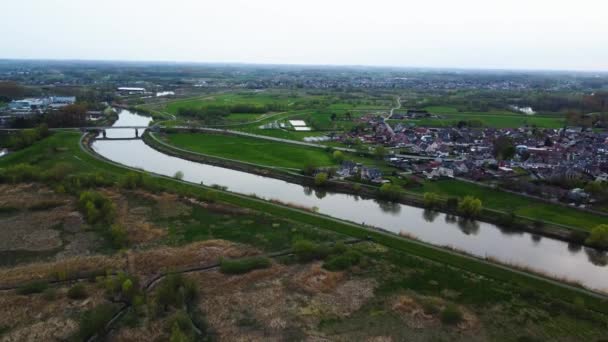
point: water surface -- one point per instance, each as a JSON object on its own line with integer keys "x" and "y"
{"x": 545, "y": 255}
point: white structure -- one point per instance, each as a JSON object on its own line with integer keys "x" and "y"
{"x": 131, "y": 90}
{"x": 297, "y": 123}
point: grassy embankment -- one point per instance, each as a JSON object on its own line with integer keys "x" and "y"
{"x": 519, "y": 205}
{"x": 262, "y": 152}
{"x": 47, "y": 152}
{"x": 271, "y": 153}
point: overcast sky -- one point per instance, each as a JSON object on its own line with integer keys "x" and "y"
{"x": 510, "y": 34}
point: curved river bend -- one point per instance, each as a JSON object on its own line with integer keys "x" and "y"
{"x": 545, "y": 255}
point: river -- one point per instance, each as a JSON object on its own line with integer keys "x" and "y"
{"x": 544, "y": 255}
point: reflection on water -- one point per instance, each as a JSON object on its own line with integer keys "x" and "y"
{"x": 389, "y": 207}
{"x": 430, "y": 215}
{"x": 597, "y": 257}
{"x": 547, "y": 255}
{"x": 574, "y": 247}
{"x": 468, "y": 226}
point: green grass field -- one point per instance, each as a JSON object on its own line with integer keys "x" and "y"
{"x": 493, "y": 118}
{"x": 264, "y": 152}
{"x": 252, "y": 150}
{"x": 498, "y": 200}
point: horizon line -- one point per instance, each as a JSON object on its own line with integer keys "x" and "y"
{"x": 269, "y": 64}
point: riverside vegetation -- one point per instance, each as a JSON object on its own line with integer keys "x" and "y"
{"x": 146, "y": 270}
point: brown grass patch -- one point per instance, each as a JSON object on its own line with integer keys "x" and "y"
{"x": 58, "y": 269}
{"x": 34, "y": 318}
{"x": 315, "y": 279}
{"x": 135, "y": 220}
{"x": 152, "y": 262}
{"x": 412, "y": 311}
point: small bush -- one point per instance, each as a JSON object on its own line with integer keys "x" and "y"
{"x": 452, "y": 203}
{"x": 391, "y": 192}
{"x": 178, "y": 175}
{"x": 131, "y": 180}
{"x": 430, "y": 308}
{"x": 95, "y": 320}
{"x": 182, "y": 321}
{"x": 78, "y": 291}
{"x": 451, "y": 315}
{"x": 342, "y": 262}
{"x": 243, "y": 265}
{"x": 96, "y": 207}
{"x": 176, "y": 291}
{"x": 33, "y": 287}
{"x": 599, "y": 236}
{"x": 470, "y": 207}
{"x": 49, "y": 294}
{"x": 431, "y": 200}
{"x": 118, "y": 235}
{"x": 307, "y": 251}
{"x": 321, "y": 178}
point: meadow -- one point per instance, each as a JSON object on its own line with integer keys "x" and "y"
{"x": 264, "y": 152}
{"x": 519, "y": 205}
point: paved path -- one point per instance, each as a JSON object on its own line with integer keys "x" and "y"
{"x": 393, "y": 109}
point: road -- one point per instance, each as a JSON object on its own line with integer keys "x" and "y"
{"x": 393, "y": 109}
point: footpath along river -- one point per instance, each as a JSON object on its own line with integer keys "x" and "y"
{"x": 545, "y": 255}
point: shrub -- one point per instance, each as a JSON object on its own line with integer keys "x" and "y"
{"x": 20, "y": 173}
{"x": 131, "y": 180}
{"x": 321, "y": 178}
{"x": 176, "y": 291}
{"x": 59, "y": 171}
{"x": 451, "y": 315}
{"x": 49, "y": 294}
{"x": 95, "y": 320}
{"x": 470, "y": 207}
{"x": 599, "y": 236}
{"x": 307, "y": 250}
{"x": 181, "y": 325}
{"x": 452, "y": 203}
{"x": 122, "y": 285}
{"x": 179, "y": 175}
{"x": 33, "y": 287}
{"x": 243, "y": 265}
{"x": 77, "y": 291}
{"x": 342, "y": 262}
{"x": 338, "y": 156}
{"x": 96, "y": 207}
{"x": 390, "y": 192}
{"x": 431, "y": 200}
{"x": 118, "y": 235}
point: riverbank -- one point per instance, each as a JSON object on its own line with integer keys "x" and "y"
{"x": 413, "y": 247}
{"x": 504, "y": 219}
{"x": 85, "y": 160}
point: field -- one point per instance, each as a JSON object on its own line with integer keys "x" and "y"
{"x": 497, "y": 118}
{"x": 503, "y": 201}
{"x": 252, "y": 150}
{"x": 289, "y": 101}
{"x": 262, "y": 152}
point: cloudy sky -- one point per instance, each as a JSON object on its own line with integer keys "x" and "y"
{"x": 511, "y": 34}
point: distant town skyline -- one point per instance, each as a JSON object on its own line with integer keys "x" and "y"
{"x": 469, "y": 34}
